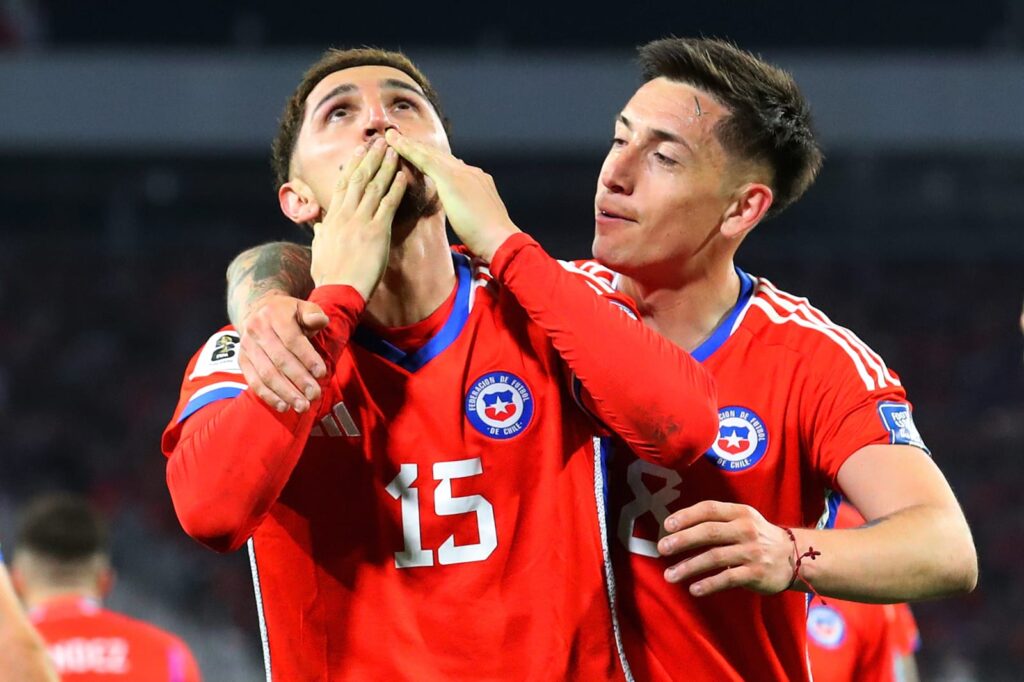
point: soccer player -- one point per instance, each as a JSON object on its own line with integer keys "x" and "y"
{"x": 22, "y": 652}
{"x": 853, "y": 641}
{"x": 434, "y": 507}
{"x": 62, "y": 571}
{"x": 715, "y": 141}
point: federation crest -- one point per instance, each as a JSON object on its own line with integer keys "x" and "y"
{"x": 742, "y": 439}
{"x": 826, "y": 626}
{"x": 499, "y": 405}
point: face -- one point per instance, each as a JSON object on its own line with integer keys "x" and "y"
{"x": 663, "y": 188}
{"x": 351, "y": 108}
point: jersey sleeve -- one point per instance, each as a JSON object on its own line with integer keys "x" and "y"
{"x": 181, "y": 664}
{"x": 228, "y": 460}
{"x": 646, "y": 390}
{"x": 855, "y": 401}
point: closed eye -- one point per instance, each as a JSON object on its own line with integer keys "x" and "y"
{"x": 664, "y": 160}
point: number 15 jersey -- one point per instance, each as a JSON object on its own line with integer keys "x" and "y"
{"x": 444, "y": 519}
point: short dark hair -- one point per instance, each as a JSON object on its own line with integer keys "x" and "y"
{"x": 769, "y": 121}
{"x": 63, "y": 528}
{"x": 332, "y": 60}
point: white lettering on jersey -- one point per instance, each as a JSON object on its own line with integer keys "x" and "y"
{"x": 107, "y": 655}
{"x": 220, "y": 354}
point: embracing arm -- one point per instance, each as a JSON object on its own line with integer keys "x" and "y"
{"x": 268, "y": 269}
{"x": 648, "y": 391}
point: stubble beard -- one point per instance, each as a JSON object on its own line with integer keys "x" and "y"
{"x": 417, "y": 203}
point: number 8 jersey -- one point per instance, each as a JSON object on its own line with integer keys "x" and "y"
{"x": 440, "y": 513}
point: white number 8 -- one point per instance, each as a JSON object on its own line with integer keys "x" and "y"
{"x": 646, "y": 501}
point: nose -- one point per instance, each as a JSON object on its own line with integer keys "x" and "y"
{"x": 618, "y": 173}
{"x": 377, "y": 121}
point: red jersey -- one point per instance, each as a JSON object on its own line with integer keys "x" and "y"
{"x": 849, "y": 641}
{"x": 88, "y": 643}
{"x": 797, "y": 396}
{"x": 853, "y": 641}
{"x": 440, "y": 513}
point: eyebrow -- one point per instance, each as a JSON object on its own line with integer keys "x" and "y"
{"x": 387, "y": 84}
{"x": 658, "y": 133}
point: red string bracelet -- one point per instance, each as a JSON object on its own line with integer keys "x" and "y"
{"x": 798, "y": 559}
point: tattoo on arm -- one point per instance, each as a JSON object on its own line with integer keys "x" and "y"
{"x": 280, "y": 267}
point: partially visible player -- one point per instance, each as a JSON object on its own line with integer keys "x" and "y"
{"x": 22, "y": 652}
{"x": 850, "y": 641}
{"x": 434, "y": 509}
{"x": 62, "y": 570}
{"x": 713, "y": 142}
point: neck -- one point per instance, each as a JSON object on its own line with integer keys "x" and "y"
{"x": 687, "y": 308}
{"x": 41, "y": 596}
{"x": 419, "y": 276}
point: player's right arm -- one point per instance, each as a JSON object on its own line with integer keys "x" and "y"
{"x": 229, "y": 460}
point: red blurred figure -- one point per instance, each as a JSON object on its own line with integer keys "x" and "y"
{"x": 852, "y": 641}
{"x": 62, "y": 569}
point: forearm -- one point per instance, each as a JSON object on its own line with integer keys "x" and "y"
{"x": 648, "y": 391}
{"x": 277, "y": 267}
{"x": 920, "y": 552}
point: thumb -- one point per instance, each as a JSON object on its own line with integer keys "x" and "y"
{"x": 311, "y": 318}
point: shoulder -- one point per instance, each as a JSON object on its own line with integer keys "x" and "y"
{"x": 776, "y": 317}
{"x": 138, "y": 630}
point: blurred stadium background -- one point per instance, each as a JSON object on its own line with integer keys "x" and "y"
{"x": 133, "y": 165}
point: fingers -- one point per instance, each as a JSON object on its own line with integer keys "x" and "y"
{"x": 713, "y": 559}
{"x": 253, "y": 379}
{"x": 379, "y": 186}
{"x": 389, "y": 204}
{"x": 312, "y": 319}
{"x": 275, "y": 366}
{"x": 701, "y": 535}
{"x": 427, "y": 159}
{"x": 360, "y": 170}
{"x": 736, "y": 576}
{"x": 708, "y": 510}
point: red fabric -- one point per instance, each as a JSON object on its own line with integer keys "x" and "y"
{"x": 442, "y": 521}
{"x": 596, "y": 345}
{"x": 228, "y": 463}
{"x": 90, "y": 644}
{"x": 797, "y": 396}
{"x": 850, "y": 641}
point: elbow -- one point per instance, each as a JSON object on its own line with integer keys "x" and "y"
{"x": 208, "y": 521}
{"x": 216, "y": 530}
{"x": 962, "y": 574}
{"x": 697, "y": 434}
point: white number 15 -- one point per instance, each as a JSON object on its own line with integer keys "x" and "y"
{"x": 413, "y": 554}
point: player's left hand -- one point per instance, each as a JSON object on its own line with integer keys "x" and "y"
{"x": 471, "y": 201}
{"x": 740, "y": 549}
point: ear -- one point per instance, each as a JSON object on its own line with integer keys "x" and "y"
{"x": 105, "y": 581}
{"x": 298, "y": 203}
{"x": 747, "y": 209}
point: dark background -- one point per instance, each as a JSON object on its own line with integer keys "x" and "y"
{"x": 112, "y": 258}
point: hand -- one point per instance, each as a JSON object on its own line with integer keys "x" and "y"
{"x": 744, "y": 549}
{"x": 352, "y": 243}
{"x": 276, "y": 356}
{"x": 476, "y": 212}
